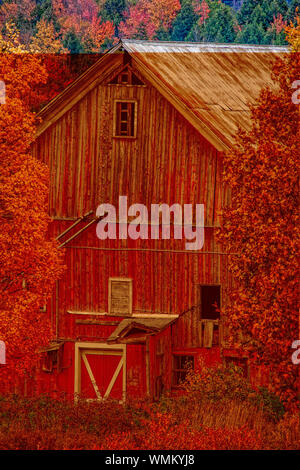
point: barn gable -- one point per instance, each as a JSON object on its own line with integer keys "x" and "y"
{"x": 211, "y": 85}
{"x": 89, "y": 164}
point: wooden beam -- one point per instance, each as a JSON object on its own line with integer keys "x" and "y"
{"x": 148, "y": 384}
{"x": 114, "y": 377}
{"x": 91, "y": 375}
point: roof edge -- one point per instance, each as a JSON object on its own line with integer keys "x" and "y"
{"x": 73, "y": 84}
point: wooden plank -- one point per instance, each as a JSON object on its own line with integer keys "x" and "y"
{"x": 95, "y": 322}
{"x": 114, "y": 377}
{"x": 208, "y": 333}
{"x": 91, "y": 375}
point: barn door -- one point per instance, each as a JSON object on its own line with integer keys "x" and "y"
{"x": 100, "y": 371}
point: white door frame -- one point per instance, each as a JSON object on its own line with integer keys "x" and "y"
{"x": 81, "y": 349}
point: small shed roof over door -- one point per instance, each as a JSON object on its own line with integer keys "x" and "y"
{"x": 136, "y": 331}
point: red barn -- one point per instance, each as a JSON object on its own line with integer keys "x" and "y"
{"x": 149, "y": 121}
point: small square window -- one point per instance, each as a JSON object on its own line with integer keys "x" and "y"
{"x": 125, "y": 119}
{"x": 124, "y": 78}
{"x": 181, "y": 365}
{"x": 120, "y": 296}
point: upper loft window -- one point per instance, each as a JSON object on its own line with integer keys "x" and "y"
{"x": 210, "y": 301}
{"x": 119, "y": 296}
{"x": 126, "y": 77}
{"x": 125, "y": 118}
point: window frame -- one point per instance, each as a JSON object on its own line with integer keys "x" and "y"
{"x": 115, "y": 119}
{"x": 134, "y": 80}
{"x": 119, "y": 279}
{"x": 175, "y": 371}
{"x": 201, "y": 317}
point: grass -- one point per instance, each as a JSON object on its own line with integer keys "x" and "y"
{"x": 173, "y": 423}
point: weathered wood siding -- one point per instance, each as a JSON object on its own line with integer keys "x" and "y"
{"x": 169, "y": 162}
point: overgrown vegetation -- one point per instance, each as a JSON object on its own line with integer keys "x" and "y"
{"x": 218, "y": 410}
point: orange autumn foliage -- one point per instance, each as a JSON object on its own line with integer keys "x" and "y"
{"x": 293, "y": 34}
{"x": 261, "y": 230}
{"x": 59, "y": 66}
{"x": 147, "y": 17}
{"x": 29, "y": 262}
{"x": 82, "y": 18}
{"x": 46, "y": 40}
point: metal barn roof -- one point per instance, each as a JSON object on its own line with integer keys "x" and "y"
{"x": 216, "y": 82}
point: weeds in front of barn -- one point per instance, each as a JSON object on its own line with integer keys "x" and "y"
{"x": 218, "y": 410}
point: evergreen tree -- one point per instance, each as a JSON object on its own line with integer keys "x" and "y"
{"x": 73, "y": 43}
{"x": 283, "y": 6}
{"x": 292, "y": 9}
{"x": 256, "y": 19}
{"x": 275, "y": 8}
{"x": 252, "y": 33}
{"x": 246, "y": 11}
{"x": 43, "y": 10}
{"x": 184, "y": 21}
{"x": 112, "y": 10}
{"x": 163, "y": 35}
{"x": 261, "y": 15}
{"x": 220, "y": 25}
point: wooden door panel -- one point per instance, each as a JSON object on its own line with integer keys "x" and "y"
{"x": 100, "y": 372}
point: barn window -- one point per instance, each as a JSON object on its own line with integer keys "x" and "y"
{"x": 52, "y": 357}
{"x": 125, "y": 119}
{"x": 210, "y": 301}
{"x": 120, "y": 296}
{"x": 50, "y": 360}
{"x": 181, "y": 365}
{"x": 126, "y": 77}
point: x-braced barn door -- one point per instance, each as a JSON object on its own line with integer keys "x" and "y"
{"x": 100, "y": 371}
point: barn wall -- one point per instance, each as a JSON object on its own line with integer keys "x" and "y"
{"x": 169, "y": 162}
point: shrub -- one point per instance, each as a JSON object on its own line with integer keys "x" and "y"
{"x": 271, "y": 403}
{"x": 222, "y": 384}
{"x": 218, "y": 383}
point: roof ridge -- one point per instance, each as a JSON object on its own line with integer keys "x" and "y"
{"x": 205, "y": 45}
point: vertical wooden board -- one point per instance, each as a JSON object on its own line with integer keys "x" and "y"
{"x": 136, "y": 370}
